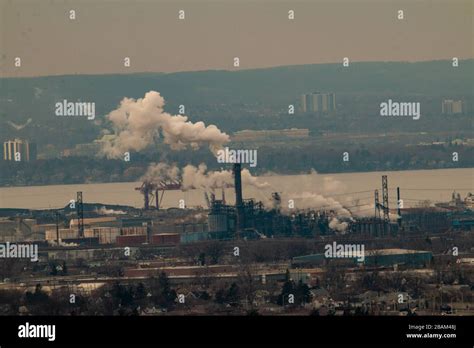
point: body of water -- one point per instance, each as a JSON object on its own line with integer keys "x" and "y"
{"x": 432, "y": 185}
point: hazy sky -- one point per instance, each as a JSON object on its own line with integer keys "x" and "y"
{"x": 214, "y": 32}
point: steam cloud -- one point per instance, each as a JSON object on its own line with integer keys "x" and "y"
{"x": 343, "y": 207}
{"x": 161, "y": 171}
{"x": 199, "y": 177}
{"x": 138, "y": 122}
{"x": 105, "y": 211}
{"x": 310, "y": 200}
{"x": 338, "y": 226}
{"x": 360, "y": 207}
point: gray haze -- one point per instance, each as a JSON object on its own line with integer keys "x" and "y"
{"x": 214, "y": 32}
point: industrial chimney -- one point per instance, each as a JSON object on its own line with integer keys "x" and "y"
{"x": 238, "y": 196}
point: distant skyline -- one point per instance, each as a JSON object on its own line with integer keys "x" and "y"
{"x": 258, "y": 32}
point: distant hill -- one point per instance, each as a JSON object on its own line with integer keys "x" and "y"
{"x": 23, "y": 98}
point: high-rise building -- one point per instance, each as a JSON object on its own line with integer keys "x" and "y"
{"x": 19, "y": 150}
{"x": 303, "y": 103}
{"x": 307, "y": 103}
{"x": 450, "y": 107}
{"x": 318, "y": 102}
{"x": 331, "y": 101}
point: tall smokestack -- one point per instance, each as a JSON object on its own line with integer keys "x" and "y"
{"x": 238, "y": 195}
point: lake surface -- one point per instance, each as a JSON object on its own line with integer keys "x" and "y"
{"x": 415, "y": 186}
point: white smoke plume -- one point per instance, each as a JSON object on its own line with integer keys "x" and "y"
{"x": 310, "y": 200}
{"x": 105, "y": 211}
{"x": 329, "y": 196}
{"x": 338, "y": 226}
{"x": 199, "y": 177}
{"x": 161, "y": 171}
{"x": 360, "y": 207}
{"x": 331, "y": 185}
{"x": 138, "y": 122}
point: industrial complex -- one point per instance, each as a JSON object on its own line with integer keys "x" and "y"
{"x": 89, "y": 248}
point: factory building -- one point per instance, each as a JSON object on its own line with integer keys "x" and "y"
{"x": 103, "y": 230}
{"x": 373, "y": 227}
{"x": 391, "y": 257}
{"x": 249, "y": 219}
{"x": 373, "y": 258}
{"x": 464, "y": 224}
{"x": 221, "y": 218}
{"x": 433, "y": 219}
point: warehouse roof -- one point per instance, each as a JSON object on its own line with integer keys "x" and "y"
{"x": 393, "y": 251}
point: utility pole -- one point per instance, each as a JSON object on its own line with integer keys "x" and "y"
{"x": 385, "y": 199}
{"x": 386, "y": 211}
{"x": 377, "y": 205}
